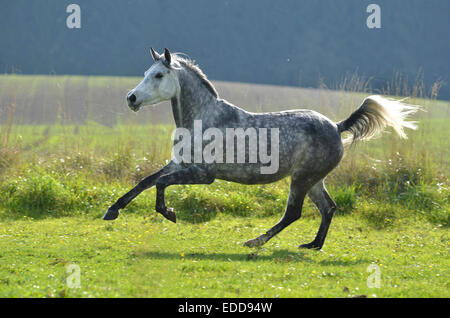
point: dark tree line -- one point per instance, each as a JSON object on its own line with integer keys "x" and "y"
{"x": 260, "y": 41}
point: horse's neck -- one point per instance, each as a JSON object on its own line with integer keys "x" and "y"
{"x": 176, "y": 111}
{"x": 190, "y": 104}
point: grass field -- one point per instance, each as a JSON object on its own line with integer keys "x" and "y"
{"x": 69, "y": 148}
{"x": 139, "y": 256}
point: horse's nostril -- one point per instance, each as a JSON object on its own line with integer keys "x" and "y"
{"x": 132, "y": 98}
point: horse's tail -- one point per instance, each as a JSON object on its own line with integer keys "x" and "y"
{"x": 374, "y": 115}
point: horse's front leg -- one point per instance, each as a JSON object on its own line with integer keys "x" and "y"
{"x": 148, "y": 182}
{"x": 190, "y": 175}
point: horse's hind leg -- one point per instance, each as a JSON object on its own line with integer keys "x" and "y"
{"x": 292, "y": 213}
{"x": 319, "y": 195}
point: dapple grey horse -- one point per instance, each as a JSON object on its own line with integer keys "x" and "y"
{"x": 309, "y": 144}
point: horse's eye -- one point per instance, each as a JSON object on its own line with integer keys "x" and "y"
{"x": 158, "y": 75}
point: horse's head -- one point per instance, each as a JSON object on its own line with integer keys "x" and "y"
{"x": 160, "y": 83}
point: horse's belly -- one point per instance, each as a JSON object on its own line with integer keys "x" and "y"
{"x": 250, "y": 173}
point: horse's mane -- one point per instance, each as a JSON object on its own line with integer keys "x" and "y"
{"x": 194, "y": 68}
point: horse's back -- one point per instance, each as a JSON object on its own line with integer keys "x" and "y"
{"x": 308, "y": 142}
{"x": 311, "y": 140}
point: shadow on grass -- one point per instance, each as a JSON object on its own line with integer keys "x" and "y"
{"x": 279, "y": 256}
{"x": 195, "y": 217}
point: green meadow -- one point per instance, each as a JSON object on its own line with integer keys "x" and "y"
{"x": 69, "y": 148}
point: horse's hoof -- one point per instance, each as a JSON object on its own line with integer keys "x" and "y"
{"x": 255, "y": 242}
{"x": 312, "y": 246}
{"x": 111, "y": 214}
{"x": 169, "y": 214}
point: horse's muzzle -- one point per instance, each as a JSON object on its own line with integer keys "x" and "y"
{"x": 131, "y": 99}
{"x": 134, "y": 107}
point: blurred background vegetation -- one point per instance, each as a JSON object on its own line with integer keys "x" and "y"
{"x": 70, "y": 145}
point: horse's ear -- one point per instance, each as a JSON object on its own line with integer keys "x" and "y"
{"x": 155, "y": 55}
{"x": 167, "y": 55}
